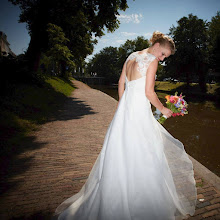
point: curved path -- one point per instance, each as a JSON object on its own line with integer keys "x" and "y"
{"x": 59, "y": 156}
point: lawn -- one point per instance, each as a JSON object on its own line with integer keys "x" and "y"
{"x": 194, "y": 87}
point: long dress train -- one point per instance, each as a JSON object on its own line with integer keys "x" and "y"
{"x": 142, "y": 171}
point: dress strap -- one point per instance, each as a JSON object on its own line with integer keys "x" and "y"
{"x": 143, "y": 60}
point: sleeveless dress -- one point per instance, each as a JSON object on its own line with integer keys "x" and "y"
{"x": 142, "y": 171}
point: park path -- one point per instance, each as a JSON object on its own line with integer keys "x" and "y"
{"x": 57, "y": 159}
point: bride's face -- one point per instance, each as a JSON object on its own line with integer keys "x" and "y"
{"x": 161, "y": 52}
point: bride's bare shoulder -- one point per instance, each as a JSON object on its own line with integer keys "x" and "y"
{"x": 144, "y": 51}
{"x": 154, "y": 64}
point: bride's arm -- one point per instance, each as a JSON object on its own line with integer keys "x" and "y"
{"x": 150, "y": 83}
{"x": 121, "y": 82}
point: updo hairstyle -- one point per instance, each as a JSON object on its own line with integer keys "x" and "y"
{"x": 164, "y": 40}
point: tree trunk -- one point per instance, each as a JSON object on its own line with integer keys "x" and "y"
{"x": 39, "y": 36}
{"x": 38, "y": 43}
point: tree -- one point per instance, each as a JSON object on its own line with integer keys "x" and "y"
{"x": 105, "y": 64}
{"x": 58, "y": 52}
{"x": 190, "y": 37}
{"x": 79, "y": 19}
{"x": 214, "y": 39}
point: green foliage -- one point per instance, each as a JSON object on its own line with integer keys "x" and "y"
{"x": 105, "y": 64}
{"x": 15, "y": 70}
{"x": 80, "y": 20}
{"x": 56, "y": 35}
{"x": 191, "y": 39}
{"x": 161, "y": 120}
{"x": 214, "y": 29}
{"x": 58, "y": 53}
{"x": 214, "y": 42}
{"x": 160, "y": 72}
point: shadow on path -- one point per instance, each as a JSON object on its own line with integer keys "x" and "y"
{"x": 13, "y": 167}
{"x": 73, "y": 109}
{"x": 36, "y": 216}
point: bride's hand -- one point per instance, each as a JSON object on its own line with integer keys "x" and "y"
{"x": 167, "y": 112}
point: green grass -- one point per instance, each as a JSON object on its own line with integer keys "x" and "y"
{"x": 60, "y": 85}
{"x": 168, "y": 86}
{"x": 200, "y": 184}
{"x": 27, "y": 107}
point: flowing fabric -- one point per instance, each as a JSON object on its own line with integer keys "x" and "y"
{"x": 142, "y": 171}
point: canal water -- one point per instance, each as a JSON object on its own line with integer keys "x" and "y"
{"x": 199, "y": 130}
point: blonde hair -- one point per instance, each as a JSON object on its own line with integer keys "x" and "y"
{"x": 163, "y": 40}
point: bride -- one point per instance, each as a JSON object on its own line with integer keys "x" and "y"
{"x": 142, "y": 171}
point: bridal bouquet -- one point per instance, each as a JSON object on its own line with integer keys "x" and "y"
{"x": 176, "y": 104}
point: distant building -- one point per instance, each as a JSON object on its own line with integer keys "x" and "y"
{"x": 4, "y": 46}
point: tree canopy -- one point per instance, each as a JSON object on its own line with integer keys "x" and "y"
{"x": 191, "y": 39}
{"x": 105, "y": 64}
{"x": 79, "y": 20}
{"x": 59, "y": 54}
{"x": 214, "y": 39}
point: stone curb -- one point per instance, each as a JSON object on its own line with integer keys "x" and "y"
{"x": 205, "y": 173}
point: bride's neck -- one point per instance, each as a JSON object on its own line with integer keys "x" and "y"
{"x": 149, "y": 50}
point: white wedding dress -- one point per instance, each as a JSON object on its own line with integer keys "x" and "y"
{"x": 142, "y": 171}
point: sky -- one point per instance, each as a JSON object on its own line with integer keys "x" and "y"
{"x": 142, "y": 18}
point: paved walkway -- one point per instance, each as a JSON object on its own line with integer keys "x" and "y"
{"x": 57, "y": 159}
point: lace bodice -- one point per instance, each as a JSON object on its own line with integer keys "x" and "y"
{"x": 143, "y": 60}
